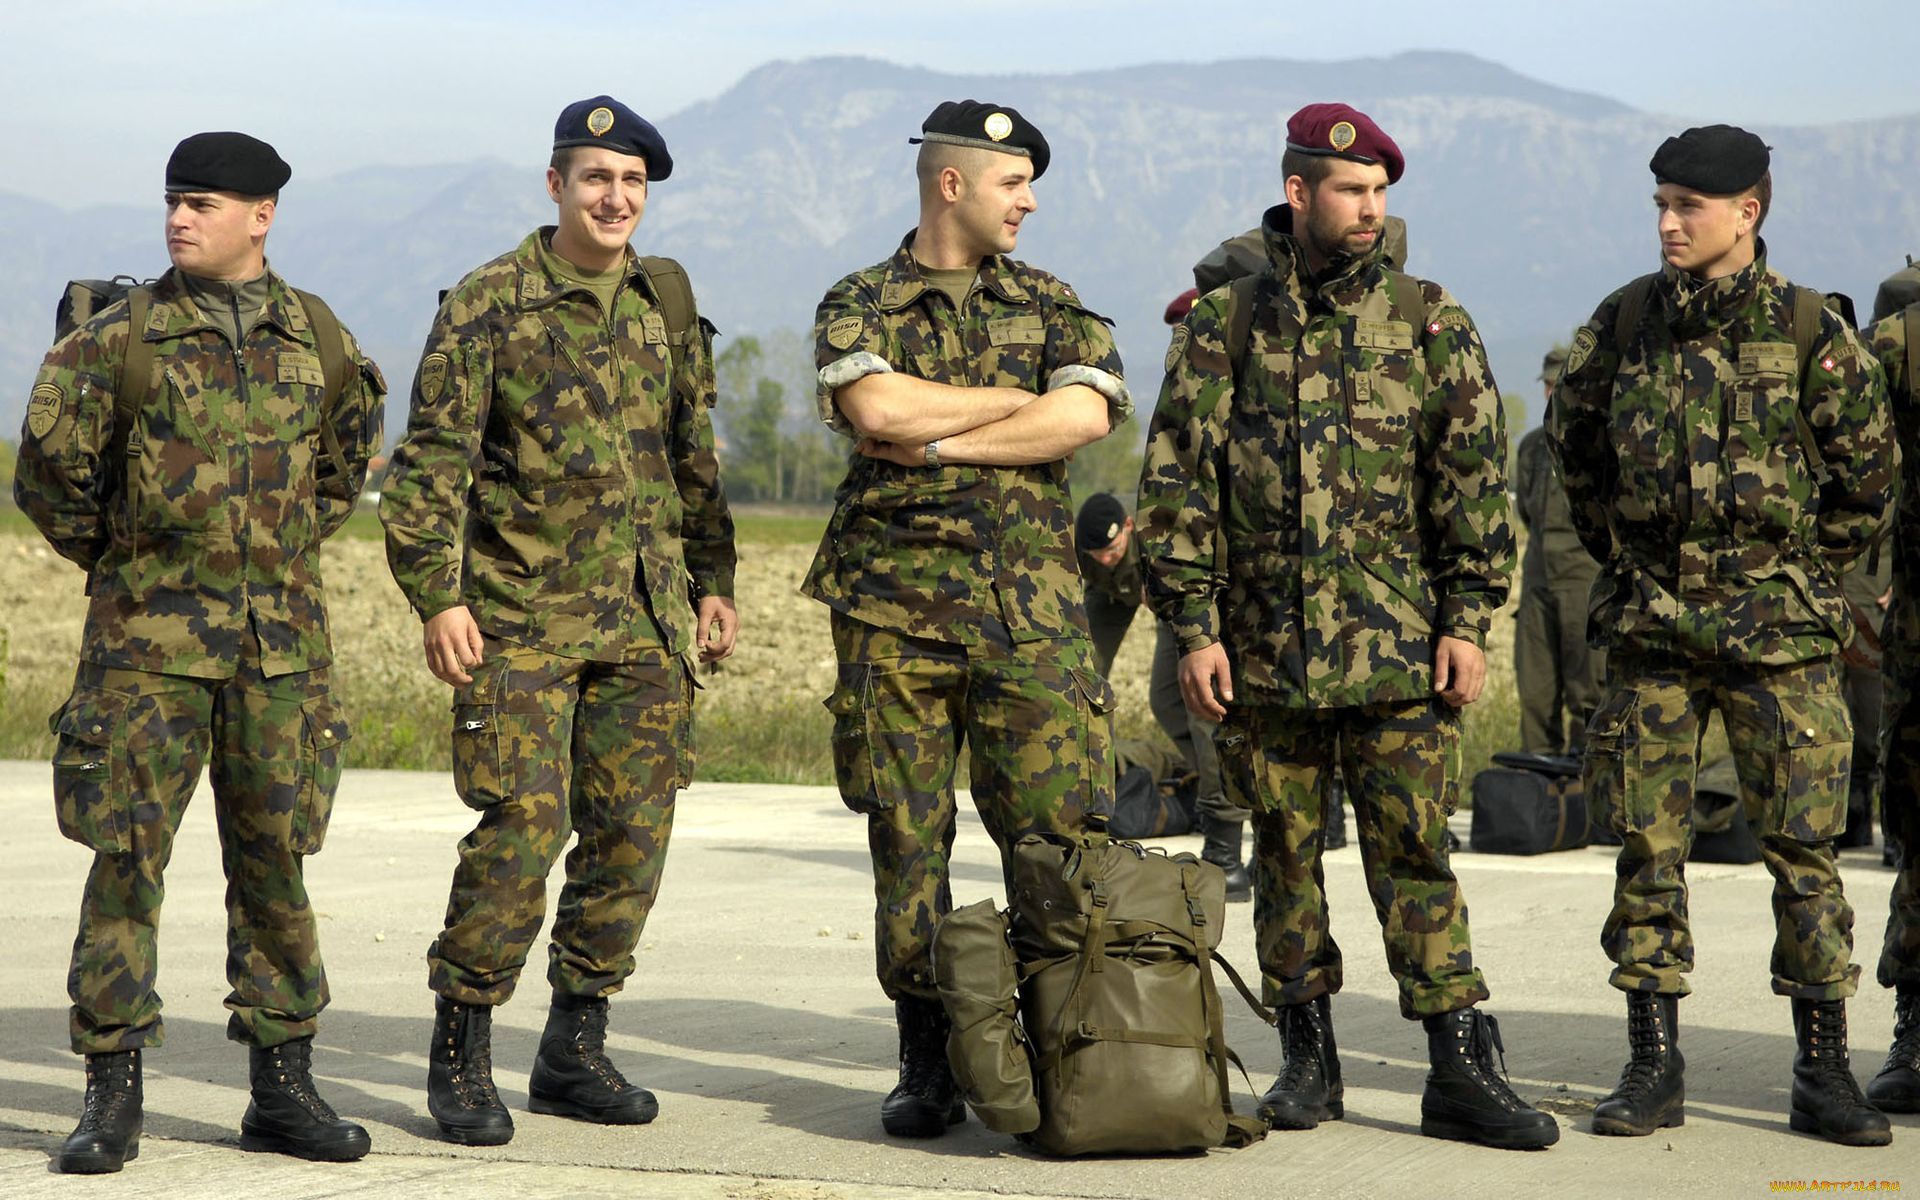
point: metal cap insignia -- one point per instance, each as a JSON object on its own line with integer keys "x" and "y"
{"x": 599, "y": 121}
{"x": 999, "y": 126}
{"x": 1342, "y": 135}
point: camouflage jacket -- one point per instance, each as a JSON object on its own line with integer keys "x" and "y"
{"x": 1554, "y": 556}
{"x": 1723, "y": 492}
{"x": 1900, "y": 635}
{"x": 1339, "y": 497}
{"x": 207, "y": 535}
{"x": 930, "y": 552}
{"x": 558, "y": 475}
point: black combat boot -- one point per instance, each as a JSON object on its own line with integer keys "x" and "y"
{"x": 572, "y": 1076}
{"x": 1652, "y": 1087}
{"x": 1826, "y": 1100}
{"x": 1309, "y": 1090}
{"x": 108, "y": 1134}
{"x": 926, "y": 1100}
{"x": 287, "y": 1116}
{"x": 1466, "y": 1099}
{"x": 1222, "y": 849}
{"x": 1897, "y": 1087}
{"x": 460, "y": 1092}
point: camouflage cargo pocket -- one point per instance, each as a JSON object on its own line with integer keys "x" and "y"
{"x": 1811, "y": 762}
{"x": 854, "y": 747}
{"x": 1243, "y": 767}
{"x": 92, "y": 775}
{"x": 1096, "y": 741}
{"x": 1611, "y": 775}
{"x": 324, "y": 753}
{"x": 479, "y": 773}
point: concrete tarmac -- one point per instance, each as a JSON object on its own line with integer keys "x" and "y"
{"x": 754, "y": 1016}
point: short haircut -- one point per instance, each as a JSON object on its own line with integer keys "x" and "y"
{"x": 935, "y": 157}
{"x": 1763, "y": 192}
{"x": 1311, "y": 168}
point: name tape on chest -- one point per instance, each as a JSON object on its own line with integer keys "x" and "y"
{"x": 653, "y": 328}
{"x": 1768, "y": 358}
{"x": 295, "y": 366}
{"x": 1017, "y": 331}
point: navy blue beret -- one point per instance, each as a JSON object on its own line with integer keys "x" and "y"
{"x": 987, "y": 126}
{"x": 1720, "y": 160}
{"x": 226, "y": 162}
{"x": 604, "y": 121}
{"x": 1099, "y": 521}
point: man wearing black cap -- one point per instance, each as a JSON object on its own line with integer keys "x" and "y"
{"x": 555, "y": 516}
{"x": 966, "y": 378}
{"x": 191, "y": 447}
{"x": 1323, "y": 518}
{"x": 1726, "y": 451}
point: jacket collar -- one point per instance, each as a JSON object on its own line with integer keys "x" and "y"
{"x": 902, "y": 281}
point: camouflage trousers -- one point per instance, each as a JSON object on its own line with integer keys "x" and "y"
{"x": 1900, "y": 819}
{"x": 545, "y": 746}
{"x": 130, "y": 749}
{"x": 1401, "y": 768}
{"x": 1558, "y": 675}
{"x": 1038, "y": 722}
{"x": 1791, "y": 739}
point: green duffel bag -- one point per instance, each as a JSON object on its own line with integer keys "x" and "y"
{"x": 978, "y": 978}
{"x": 1116, "y": 945}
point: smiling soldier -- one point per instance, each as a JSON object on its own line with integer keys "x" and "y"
{"x": 555, "y": 516}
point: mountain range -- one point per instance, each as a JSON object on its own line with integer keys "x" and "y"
{"x": 1530, "y": 202}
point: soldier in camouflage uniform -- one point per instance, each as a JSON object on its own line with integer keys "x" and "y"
{"x": 197, "y": 505}
{"x": 1110, "y": 563}
{"x": 1895, "y": 342}
{"x": 967, "y": 378}
{"x": 1726, "y": 451}
{"x": 1557, "y": 672}
{"x": 1323, "y": 518}
{"x": 555, "y": 516}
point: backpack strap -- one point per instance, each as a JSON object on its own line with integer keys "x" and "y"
{"x": 331, "y": 344}
{"x": 1409, "y": 300}
{"x": 136, "y": 376}
{"x": 1633, "y": 306}
{"x": 1240, "y": 299}
{"x": 1911, "y": 320}
{"x": 671, "y": 285}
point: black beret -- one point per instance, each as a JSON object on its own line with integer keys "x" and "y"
{"x": 988, "y": 126}
{"x": 1720, "y": 160}
{"x": 226, "y": 162}
{"x": 605, "y": 122}
{"x": 1099, "y": 521}
{"x": 1343, "y": 131}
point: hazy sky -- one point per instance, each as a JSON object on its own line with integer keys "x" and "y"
{"x": 95, "y": 92}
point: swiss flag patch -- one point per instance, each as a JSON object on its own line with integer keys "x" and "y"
{"x": 1434, "y": 327}
{"x": 1826, "y": 364}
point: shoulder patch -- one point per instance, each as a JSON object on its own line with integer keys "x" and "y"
{"x": 433, "y": 377}
{"x": 43, "y": 408}
{"x": 842, "y": 334}
{"x": 1177, "y": 349}
{"x": 1585, "y": 343}
{"x": 1451, "y": 318}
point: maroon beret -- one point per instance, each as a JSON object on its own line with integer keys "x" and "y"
{"x": 1181, "y": 305}
{"x": 1343, "y": 131}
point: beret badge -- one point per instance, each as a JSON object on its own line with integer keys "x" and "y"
{"x": 999, "y": 126}
{"x": 1342, "y": 135}
{"x": 599, "y": 121}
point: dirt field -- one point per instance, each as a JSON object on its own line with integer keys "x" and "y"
{"x": 760, "y": 717}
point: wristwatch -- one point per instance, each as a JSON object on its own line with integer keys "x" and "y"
{"x": 933, "y": 453}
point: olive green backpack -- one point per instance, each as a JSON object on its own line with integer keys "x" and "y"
{"x": 1085, "y": 1018}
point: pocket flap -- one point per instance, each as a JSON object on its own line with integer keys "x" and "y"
{"x": 1095, "y": 688}
{"x": 1814, "y": 720}
{"x": 90, "y": 715}
{"x": 326, "y": 721}
{"x": 1613, "y": 722}
{"x": 849, "y": 696}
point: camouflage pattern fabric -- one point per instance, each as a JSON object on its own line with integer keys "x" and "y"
{"x": 1724, "y": 494}
{"x": 936, "y": 552}
{"x": 1401, "y": 765}
{"x": 208, "y": 536}
{"x": 1353, "y": 472}
{"x": 1113, "y": 597}
{"x": 1038, "y": 721}
{"x": 131, "y": 745}
{"x": 1791, "y": 740}
{"x": 1558, "y": 674}
{"x": 545, "y": 746}
{"x": 1900, "y": 730}
{"x": 558, "y": 474}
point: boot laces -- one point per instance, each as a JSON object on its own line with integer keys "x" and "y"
{"x": 1827, "y": 1048}
{"x": 590, "y": 1046}
{"x": 291, "y": 1064}
{"x": 1647, "y": 1038}
{"x": 923, "y": 1060}
{"x": 1906, "y": 1033}
{"x": 1482, "y": 1046}
{"x": 109, "y": 1089}
{"x": 1301, "y": 1040}
{"x": 469, "y": 1055}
